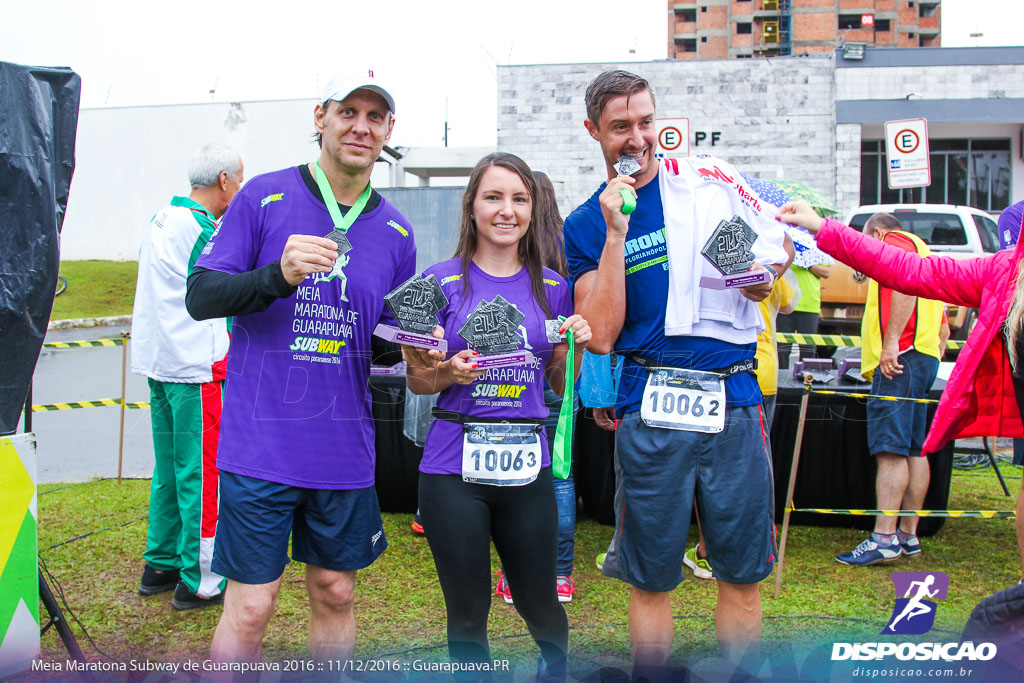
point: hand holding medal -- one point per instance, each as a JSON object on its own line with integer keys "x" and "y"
{"x": 627, "y": 166}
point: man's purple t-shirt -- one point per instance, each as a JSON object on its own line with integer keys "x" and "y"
{"x": 501, "y": 392}
{"x": 297, "y": 400}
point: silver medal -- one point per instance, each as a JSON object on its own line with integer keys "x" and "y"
{"x": 627, "y": 165}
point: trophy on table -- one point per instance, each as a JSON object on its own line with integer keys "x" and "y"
{"x": 728, "y": 250}
{"x": 414, "y": 305}
{"x": 492, "y": 330}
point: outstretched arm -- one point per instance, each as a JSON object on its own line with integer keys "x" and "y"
{"x": 955, "y": 281}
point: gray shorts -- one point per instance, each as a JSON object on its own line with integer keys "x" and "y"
{"x": 657, "y": 472}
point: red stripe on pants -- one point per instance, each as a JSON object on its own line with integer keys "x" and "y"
{"x": 212, "y": 403}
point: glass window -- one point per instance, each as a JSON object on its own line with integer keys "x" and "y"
{"x": 956, "y": 183}
{"x": 858, "y": 221}
{"x": 991, "y": 145}
{"x": 887, "y": 196}
{"x": 744, "y": 27}
{"x": 912, "y": 195}
{"x": 936, "y": 229}
{"x": 988, "y": 232}
{"x": 977, "y": 173}
{"x": 869, "y": 179}
{"x": 1001, "y": 186}
{"x": 981, "y": 179}
{"x": 883, "y": 25}
{"x": 936, "y": 192}
{"x": 848, "y": 21}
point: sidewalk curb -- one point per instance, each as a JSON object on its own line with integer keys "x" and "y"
{"x": 72, "y": 323}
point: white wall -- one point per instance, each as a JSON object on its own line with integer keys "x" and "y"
{"x": 773, "y": 116}
{"x": 130, "y": 161}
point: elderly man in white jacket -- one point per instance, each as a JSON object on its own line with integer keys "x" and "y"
{"x": 184, "y": 360}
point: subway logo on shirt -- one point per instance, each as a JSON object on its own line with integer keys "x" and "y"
{"x": 498, "y": 390}
{"x": 317, "y": 345}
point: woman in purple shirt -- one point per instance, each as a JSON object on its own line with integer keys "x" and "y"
{"x": 486, "y": 469}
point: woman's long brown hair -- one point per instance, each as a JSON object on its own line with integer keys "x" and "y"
{"x": 530, "y": 253}
{"x": 549, "y": 225}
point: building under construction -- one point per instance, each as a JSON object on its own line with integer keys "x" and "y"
{"x": 719, "y": 29}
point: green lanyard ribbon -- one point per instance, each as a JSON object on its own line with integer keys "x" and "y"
{"x": 342, "y": 223}
{"x": 561, "y": 458}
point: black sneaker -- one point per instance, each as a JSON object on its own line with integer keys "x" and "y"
{"x": 186, "y": 599}
{"x": 154, "y": 582}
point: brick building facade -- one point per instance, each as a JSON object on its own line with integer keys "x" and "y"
{"x": 719, "y": 29}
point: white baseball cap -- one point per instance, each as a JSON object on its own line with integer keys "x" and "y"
{"x": 344, "y": 84}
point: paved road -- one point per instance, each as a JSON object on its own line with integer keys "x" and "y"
{"x": 78, "y": 445}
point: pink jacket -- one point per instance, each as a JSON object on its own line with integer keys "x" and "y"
{"x": 979, "y": 399}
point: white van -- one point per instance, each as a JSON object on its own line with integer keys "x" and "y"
{"x": 957, "y": 231}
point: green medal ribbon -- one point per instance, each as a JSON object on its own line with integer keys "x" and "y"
{"x": 561, "y": 459}
{"x": 342, "y": 223}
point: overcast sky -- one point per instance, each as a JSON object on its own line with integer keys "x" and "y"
{"x": 132, "y": 53}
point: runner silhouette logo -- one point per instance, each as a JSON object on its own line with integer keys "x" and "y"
{"x": 916, "y": 593}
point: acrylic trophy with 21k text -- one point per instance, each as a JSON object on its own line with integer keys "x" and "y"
{"x": 492, "y": 330}
{"x": 414, "y": 305}
{"x": 728, "y": 250}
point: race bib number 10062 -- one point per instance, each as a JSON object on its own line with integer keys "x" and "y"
{"x": 690, "y": 400}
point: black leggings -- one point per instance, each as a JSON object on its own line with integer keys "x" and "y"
{"x": 460, "y": 519}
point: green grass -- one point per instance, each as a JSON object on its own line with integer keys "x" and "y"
{"x": 96, "y": 289}
{"x": 400, "y": 608}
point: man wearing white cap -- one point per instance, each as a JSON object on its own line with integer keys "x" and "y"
{"x": 302, "y": 261}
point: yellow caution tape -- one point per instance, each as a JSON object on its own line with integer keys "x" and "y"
{"x": 83, "y": 344}
{"x": 985, "y": 514}
{"x": 854, "y": 394}
{"x": 836, "y": 340}
{"x": 98, "y": 403}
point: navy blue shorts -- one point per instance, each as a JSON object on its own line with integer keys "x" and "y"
{"x": 340, "y": 530}
{"x": 657, "y": 473}
{"x": 899, "y": 427}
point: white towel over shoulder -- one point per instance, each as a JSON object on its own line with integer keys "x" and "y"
{"x": 697, "y": 193}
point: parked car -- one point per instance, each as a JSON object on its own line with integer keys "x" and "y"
{"x": 957, "y": 231}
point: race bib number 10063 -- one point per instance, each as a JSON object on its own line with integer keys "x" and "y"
{"x": 501, "y": 454}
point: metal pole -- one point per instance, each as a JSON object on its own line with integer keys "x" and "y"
{"x": 124, "y": 370}
{"x": 57, "y": 619}
{"x": 991, "y": 460}
{"x": 28, "y": 408}
{"x": 792, "y": 485}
